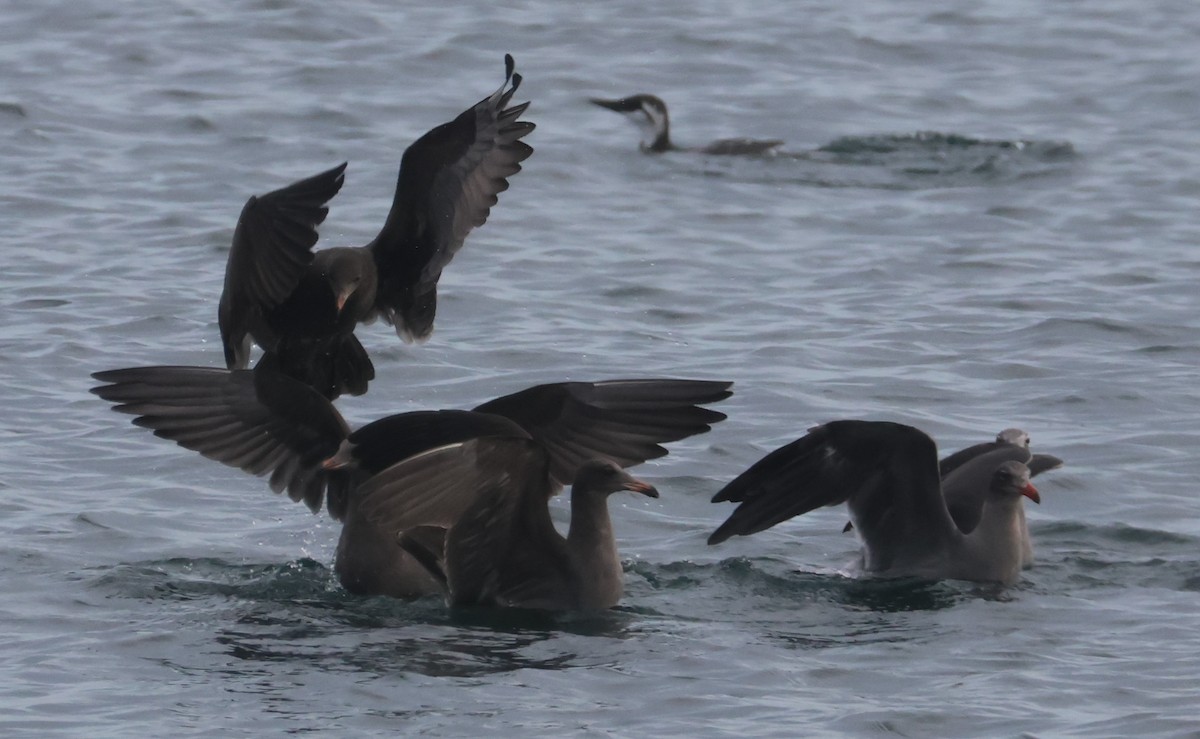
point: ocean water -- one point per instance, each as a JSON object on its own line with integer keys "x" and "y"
{"x": 985, "y": 215}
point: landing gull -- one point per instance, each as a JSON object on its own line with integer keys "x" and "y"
{"x": 302, "y": 306}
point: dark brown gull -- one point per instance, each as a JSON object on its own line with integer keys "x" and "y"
{"x": 501, "y": 548}
{"x": 888, "y": 475}
{"x": 302, "y": 306}
{"x": 266, "y": 423}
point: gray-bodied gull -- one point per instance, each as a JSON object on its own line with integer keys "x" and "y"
{"x": 888, "y": 474}
{"x": 967, "y": 473}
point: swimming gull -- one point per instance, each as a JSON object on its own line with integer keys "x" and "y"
{"x": 501, "y": 547}
{"x": 967, "y": 473}
{"x": 888, "y": 475}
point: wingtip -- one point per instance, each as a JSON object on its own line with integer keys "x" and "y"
{"x": 509, "y": 65}
{"x": 107, "y": 391}
{"x": 716, "y": 389}
{"x": 126, "y": 375}
{"x": 723, "y": 495}
{"x": 1047, "y": 462}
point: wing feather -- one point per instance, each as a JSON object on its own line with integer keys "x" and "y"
{"x": 622, "y": 420}
{"x": 448, "y": 182}
{"x": 886, "y": 472}
{"x": 272, "y": 246}
{"x": 257, "y": 421}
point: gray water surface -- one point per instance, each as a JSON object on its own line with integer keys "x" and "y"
{"x": 985, "y": 216}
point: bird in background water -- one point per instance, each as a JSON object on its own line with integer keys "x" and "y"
{"x": 649, "y": 114}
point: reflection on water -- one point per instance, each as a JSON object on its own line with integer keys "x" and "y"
{"x": 296, "y": 613}
{"x": 423, "y": 647}
{"x": 891, "y": 595}
{"x": 901, "y": 162}
{"x": 935, "y": 146}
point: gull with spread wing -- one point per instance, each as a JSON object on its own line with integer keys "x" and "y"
{"x": 302, "y": 306}
{"x": 888, "y": 475}
{"x": 266, "y": 423}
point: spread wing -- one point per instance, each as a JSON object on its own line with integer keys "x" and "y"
{"x": 449, "y": 180}
{"x": 384, "y": 442}
{"x": 626, "y": 421}
{"x": 504, "y": 549}
{"x": 491, "y": 493}
{"x": 886, "y": 472}
{"x": 272, "y": 246}
{"x": 438, "y": 486}
{"x": 533, "y": 571}
{"x": 260, "y": 422}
